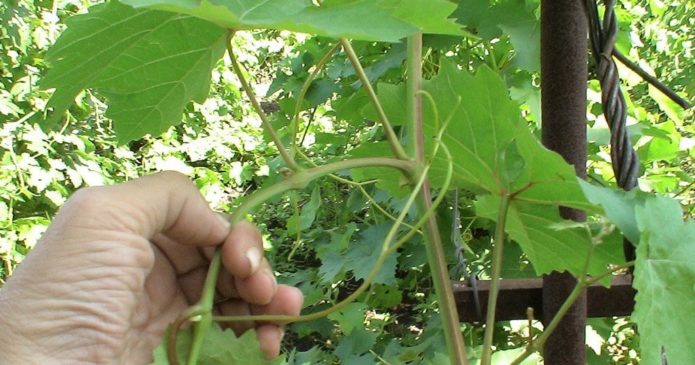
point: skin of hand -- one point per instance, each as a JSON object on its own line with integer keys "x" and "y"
{"x": 120, "y": 263}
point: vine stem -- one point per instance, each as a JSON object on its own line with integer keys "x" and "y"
{"x": 433, "y": 240}
{"x": 350, "y": 298}
{"x": 202, "y": 326}
{"x": 291, "y": 163}
{"x": 582, "y": 284}
{"x": 497, "y": 250}
{"x": 302, "y": 95}
{"x": 391, "y": 136}
{"x": 299, "y": 179}
{"x": 414, "y": 101}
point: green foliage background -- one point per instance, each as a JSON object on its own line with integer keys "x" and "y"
{"x": 321, "y": 238}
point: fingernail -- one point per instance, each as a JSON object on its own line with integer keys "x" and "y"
{"x": 224, "y": 221}
{"x": 254, "y": 257}
{"x": 281, "y": 333}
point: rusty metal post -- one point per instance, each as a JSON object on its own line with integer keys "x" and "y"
{"x": 563, "y": 88}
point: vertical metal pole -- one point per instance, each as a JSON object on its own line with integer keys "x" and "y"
{"x": 563, "y": 85}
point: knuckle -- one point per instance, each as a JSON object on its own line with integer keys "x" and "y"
{"x": 174, "y": 177}
{"x": 86, "y": 199}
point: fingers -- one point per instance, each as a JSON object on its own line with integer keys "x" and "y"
{"x": 242, "y": 252}
{"x": 183, "y": 258}
{"x": 260, "y": 287}
{"x": 248, "y": 276}
{"x": 287, "y": 301}
{"x": 235, "y": 307}
{"x": 270, "y": 337}
{"x": 242, "y": 255}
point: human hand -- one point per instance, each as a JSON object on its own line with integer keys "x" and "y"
{"x": 119, "y": 263}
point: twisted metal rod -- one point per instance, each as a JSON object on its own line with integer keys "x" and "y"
{"x": 625, "y": 161}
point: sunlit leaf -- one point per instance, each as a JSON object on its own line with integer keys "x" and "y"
{"x": 531, "y": 226}
{"x": 385, "y": 20}
{"x": 665, "y": 282}
{"x": 618, "y": 206}
{"x": 148, "y": 63}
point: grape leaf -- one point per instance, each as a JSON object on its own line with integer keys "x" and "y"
{"x": 148, "y": 63}
{"x": 488, "y": 140}
{"x": 363, "y": 254}
{"x": 547, "y": 249}
{"x": 524, "y": 31}
{"x": 312, "y": 356}
{"x": 665, "y": 282}
{"x": 471, "y": 12}
{"x": 508, "y": 356}
{"x": 350, "y": 317}
{"x": 384, "y": 296}
{"x": 220, "y": 347}
{"x": 428, "y": 15}
{"x": 330, "y": 254}
{"x": 353, "y": 346}
{"x": 375, "y": 20}
{"x": 509, "y": 17}
{"x": 359, "y": 257}
{"x": 388, "y": 179}
{"x": 495, "y": 153}
{"x": 619, "y": 207}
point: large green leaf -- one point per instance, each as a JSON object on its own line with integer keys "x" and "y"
{"x": 494, "y": 151}
{"x": 350, "y": 317}
{"x": 548, "y": 249}
{"x": 383, "y": 20}
{"x": 362, "y": 255}
{"x": 359, "y": 257}
{"x": 220, "y": 347}
{"x": 619, "y": 207}
{"x": 665, "y": 282}
{"x": 148, "y": 63}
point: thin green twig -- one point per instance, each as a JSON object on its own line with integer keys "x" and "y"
{"x": 486, "y": 357}
{"x": 302, "y": 93}
{"x": 289, "y": 161}
{"x": 416, "y": 133}
{"x": 391, "y": 136}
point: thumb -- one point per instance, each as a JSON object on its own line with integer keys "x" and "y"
{"x": 166, "y": 202}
